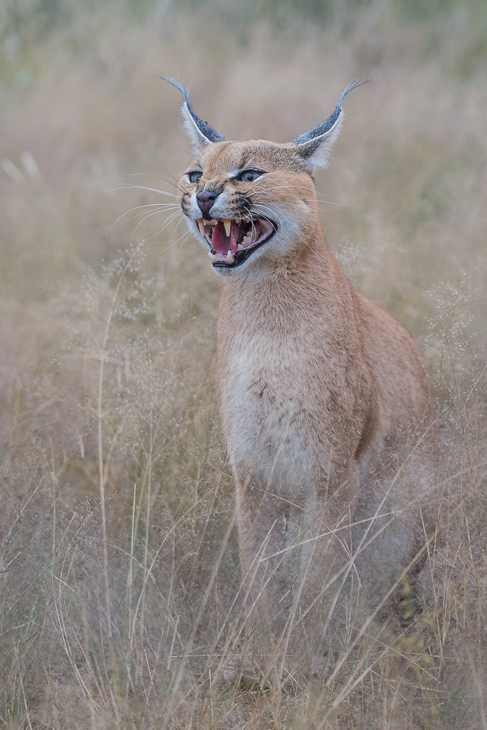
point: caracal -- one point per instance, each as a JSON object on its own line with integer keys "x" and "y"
{"x": 323, "y": 396}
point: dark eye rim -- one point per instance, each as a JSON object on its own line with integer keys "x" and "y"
{"x": 252, "y": 171}
{"x": 191, "y": 174}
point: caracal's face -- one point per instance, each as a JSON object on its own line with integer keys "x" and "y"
{"x": 247, "y": 201}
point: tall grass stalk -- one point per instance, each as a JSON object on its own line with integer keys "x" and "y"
{"x": 123, "y": 598}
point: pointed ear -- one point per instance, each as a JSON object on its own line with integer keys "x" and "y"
{"x": 314, "y": 147}
{"x": 316, "y": 152}
{"x": 199, "y": 132}
{"x": 196, "y": 137}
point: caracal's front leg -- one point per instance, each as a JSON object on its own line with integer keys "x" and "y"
{"x": 295, "y": 562}
{"x": 321, "y": 541}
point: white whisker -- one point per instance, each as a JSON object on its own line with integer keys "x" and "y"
{"x": 149, "y": 215}
{"x": 142, "y": 187}
{"x": 266, "y": 190}
{"x": 164, "y": 208}
{"x": 165, "y": 226}
{"x": 137, "y": 207}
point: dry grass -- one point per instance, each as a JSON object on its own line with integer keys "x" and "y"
{"x": 118, "y": 557}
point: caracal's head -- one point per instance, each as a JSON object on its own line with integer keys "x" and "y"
{"x": 252, "y": 201}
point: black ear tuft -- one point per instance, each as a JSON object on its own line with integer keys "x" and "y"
{"x": 199, "y": 131}
{"x": 314, "y": 146}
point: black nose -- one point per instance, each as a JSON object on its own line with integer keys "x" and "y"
{"x": 205, "y": 200}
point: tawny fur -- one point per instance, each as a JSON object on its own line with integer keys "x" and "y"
{"x": 321, "y": 393}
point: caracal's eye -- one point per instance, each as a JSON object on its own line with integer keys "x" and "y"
{"x": 249, "y": 175}
{"x": 194, "y": 176}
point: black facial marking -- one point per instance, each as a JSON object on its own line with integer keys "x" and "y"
{"x": 185, "y": 202}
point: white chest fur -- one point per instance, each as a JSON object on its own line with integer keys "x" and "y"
{"x": 282, "y": 393}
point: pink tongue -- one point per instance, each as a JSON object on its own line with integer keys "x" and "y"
{"x": 220, "y": 242}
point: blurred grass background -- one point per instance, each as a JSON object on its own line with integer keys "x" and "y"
{"x": 122, "y": 623}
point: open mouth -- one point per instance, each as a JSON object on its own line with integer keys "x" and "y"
{"x": 232, "y": 242}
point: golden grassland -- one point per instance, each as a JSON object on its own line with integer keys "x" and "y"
{"x": 119, "y": 565}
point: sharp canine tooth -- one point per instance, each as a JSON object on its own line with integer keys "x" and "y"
{"x": 212, "y": 256}
{"x": 228, "y": 226}
{"x": 201, "y": 226}
{"x": 229, "y": 257}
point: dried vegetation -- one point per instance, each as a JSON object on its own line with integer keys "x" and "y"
{"x": 119, "y": 564}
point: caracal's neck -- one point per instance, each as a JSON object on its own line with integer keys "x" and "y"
{"x": 308, "y": 262}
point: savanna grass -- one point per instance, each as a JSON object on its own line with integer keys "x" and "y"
{"x": 120, "y": 573}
